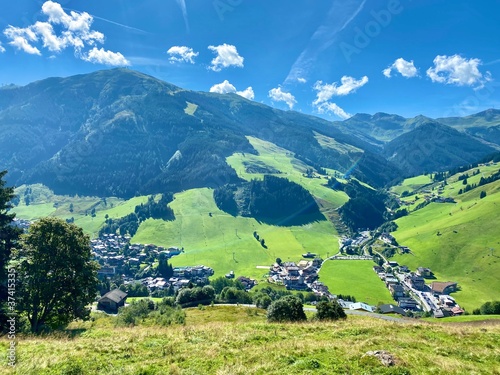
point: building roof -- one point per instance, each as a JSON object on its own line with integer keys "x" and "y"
{"x": 439, "y": 287}
{"x": 115, "y": 295}
{"x": 389, "y": 308}
{"x": 361, "y": 306}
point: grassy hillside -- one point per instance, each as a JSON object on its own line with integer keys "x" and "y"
{"x": 226, "y": 243}
{"x": 355, "y": 278}
{"x": 282, "y": 160}
{"x": 232, "y": 340}
{"x": 459, "y": 242}
{"x": 43, "y": 202}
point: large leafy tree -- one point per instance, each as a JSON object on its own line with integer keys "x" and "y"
{"x": 8, "y": 237}
{"x": 57, "y": 278}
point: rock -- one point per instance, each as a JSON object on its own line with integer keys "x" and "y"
{"x": 386, "y": 358}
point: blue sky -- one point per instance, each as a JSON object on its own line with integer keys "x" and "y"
{"x": 329, "y": 58}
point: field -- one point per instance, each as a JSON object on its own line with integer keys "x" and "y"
{"x": 216, "y": 239}
{"x": 459, "y": 242}
{"x": 355, "y": 278}
{"x": 232, "y": 340}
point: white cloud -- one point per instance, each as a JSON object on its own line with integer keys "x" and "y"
{"x": 2, "y": 49}
{"x": 348, "y": 85}
{"x": 301, "y": 80}
{"x": 405, "y": 68}
{"x": 329, "y": 107}
{"x": 226, "y": 88}
{"x": 278, "y": 95}
{"x": 247, "y": 93}
{"x": 227, "y": 56}
{"x": 182, "y": 5}
{"x": 101, "y": 56}
{"x": 21, "y": 38}
{"x": 223, "y": 88}
{"x": 181, "y": 54}
{"x": 459, "y": 71}
{"x": 74, "y": 29}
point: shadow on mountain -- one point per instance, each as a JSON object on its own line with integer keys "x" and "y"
{"x": 273, "y": 200}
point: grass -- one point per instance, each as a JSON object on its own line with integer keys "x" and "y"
{"x": 411, "y": 184}
{"x": 459, "y": 242}
{"x": 464, "y": 319}
{"x": 355, "y": 278}
{"x": 232, "y": 340}
{"x": 226, "y": 243}
{"x": 45, "y": 203}
{"x": 290, "y": 168}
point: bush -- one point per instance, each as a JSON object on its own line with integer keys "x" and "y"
{"x": 286, "y": 309}
{"x": 329, "y": 310}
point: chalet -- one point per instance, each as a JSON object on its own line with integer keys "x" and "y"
{"x": 424, "y": 272}
{"x": 106, "y": 272}
{"x": 391, "y": 280}
{"x": 397, "y": 291}
{"x": 378, "y": 269}
{"x": 112, "y": 300}
{"x": 303, "y": 264}
{"x": 442, "y": 313}
{"x": 416, "y": 282}
{"x": 360, "y": 306}
{"x": 391, "y": 309}
{"x": 408, "y": 304}
{"x": 404, "y": 269}
{"x": 247, "y": 282}
{"x": 443, "y": 287}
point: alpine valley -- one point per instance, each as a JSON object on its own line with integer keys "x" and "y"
{"x": 93, "y": 149}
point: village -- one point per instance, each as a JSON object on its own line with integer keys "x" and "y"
{"x": 133, "y": 263}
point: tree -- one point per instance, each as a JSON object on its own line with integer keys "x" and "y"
{"x": 286, "y": 309}
{"x": 8, "y": 238}
{"x": 71, "y": 207}
{"x": 57, "y": 278}
{"x": 482, "y": 194}
{"x": 329, "y": 310}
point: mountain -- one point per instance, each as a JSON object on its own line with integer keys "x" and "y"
{"x": 122, "y": 133}
{"x": 485, "y": 125}
{"x": 434, "y": 147}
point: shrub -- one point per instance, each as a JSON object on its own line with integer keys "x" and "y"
{"x": 286, "y": 309}
{"x": 329, "y": 310}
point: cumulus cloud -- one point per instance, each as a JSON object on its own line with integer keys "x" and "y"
{"x": 21, "y": 38}
{"x": 102, "y": 56}
{"x": 405, "y": 68}
{"x": 457, "y": 70}
{"x": 181, "y": 54}
{"x": 329, "y": 107}
{"x": 1, "y": 48}
{"x": 247, "y": 93}
{"x": 227, "y": 56}
{"x": 326, "y": 91}
{"x": 227, "y": 88}
{"x": 278, "y": 95}
{"x": 74, "y": 30}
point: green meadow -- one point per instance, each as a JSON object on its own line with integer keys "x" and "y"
{"x": 239, "y": 341}
{"x": 216, "y": 239}
{"x": 459, "y": 241}
{"x": 356, "y": 278}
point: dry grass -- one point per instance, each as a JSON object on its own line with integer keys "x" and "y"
{"x": 231, "y": 340}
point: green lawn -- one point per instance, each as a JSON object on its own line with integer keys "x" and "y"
{"x": 411, "y": 184}
{"x": 226, "y": 243}
{"x": 356, "y": 278}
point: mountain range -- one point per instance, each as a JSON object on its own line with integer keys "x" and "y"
{"x": 122, "y": 133}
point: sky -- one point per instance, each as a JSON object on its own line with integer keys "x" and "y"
{"x": 328, "y": 58}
